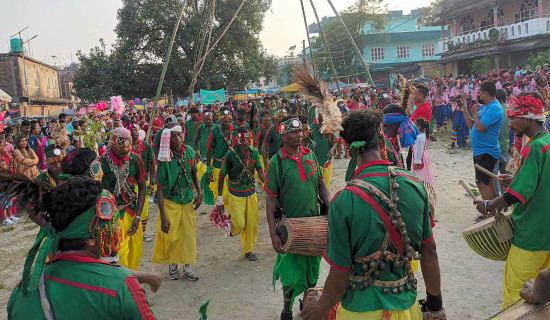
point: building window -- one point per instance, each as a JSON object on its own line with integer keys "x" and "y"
{"x": 428, "y": 50}
{"x": 377, "y": 54}
{"x": 48, "y": 83}
{"x": 490, "y": 22}
{"x": 403, "y": 52}
{"x": 527, "y": 10}
{"x": 36, "y": 80}
{"x": 467, "y": 24}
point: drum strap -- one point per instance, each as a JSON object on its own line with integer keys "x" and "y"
{"x": 394, "y": 235}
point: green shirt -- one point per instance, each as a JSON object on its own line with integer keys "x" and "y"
{"x": 236, "y": 124}
{"x": 311, "y": 114}
{"x": 80, "y": 287}
{"x": 168, "y": 172}
{"x": 323, "y": 143}
{"x": 301, "y": 177}
{"x": 190, "y": 133}
{"x": 356, "y": 231}
{"x": 201, "y": 140}
{"x": 531, "y": 187}
{"x": 232, "y": 166}
{"x": 218, "y": 142}
{"x": 145, "y": 151}
{"x": 259, "y": 136}
{"x": 136, "y": 171}
{"x": 156, "y": 142}
{"x": 504, "y": 136}
{"x": 273, "y": 140}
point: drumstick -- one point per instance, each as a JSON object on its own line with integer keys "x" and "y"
{"x": 468, "y": 189}
{"x": 487, "y": 172}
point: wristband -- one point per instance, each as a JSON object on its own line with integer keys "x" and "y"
{"x": 433, "y": 303}
{"x": 487, "y": 206}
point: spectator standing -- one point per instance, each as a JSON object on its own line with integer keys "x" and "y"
{"x": 503, "y": 139}
{"x": 485, "y": 129}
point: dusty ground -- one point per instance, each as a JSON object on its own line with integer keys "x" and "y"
{"x": 240, "y": 289}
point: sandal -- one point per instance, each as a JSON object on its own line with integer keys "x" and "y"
{"x": 251, "y": 256}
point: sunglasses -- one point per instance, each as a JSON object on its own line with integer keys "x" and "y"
{"x": 122, "y": 142}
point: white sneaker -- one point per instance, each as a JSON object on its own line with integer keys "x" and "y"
{"x": 7, "y": 222}
{"x": 151, "y": 200}
{"x": 190, "y": 274}
{"x": 14, "y": 218}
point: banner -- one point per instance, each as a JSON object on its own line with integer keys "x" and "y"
{"x": 209, "y": 97}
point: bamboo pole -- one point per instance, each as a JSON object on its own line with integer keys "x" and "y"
{"x": 164, "y": 68}
{"x": 359, "y": 55}
{"x": 326, "y": 45}
{"x": 308, "y": 40}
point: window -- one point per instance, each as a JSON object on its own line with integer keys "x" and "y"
{"x": 467, "y": 24}
{"x": 490, "y": 19}
{"x": 377, "y": 54}
{"x": 428, "y": 50}
{"x": 527, "y": 10}
{"x": 48, "y": 83}
{"x": 36, "y": 80}
{"x": 403, "y": 52}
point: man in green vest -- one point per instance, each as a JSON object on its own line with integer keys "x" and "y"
{"x": 295, "y": 180}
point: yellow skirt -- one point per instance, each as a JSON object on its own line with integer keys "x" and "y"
{"x": 244, "y": 220}
{"x": 131, "y": 248}
{"x": 413, "y": 313}
{"x": 327, "y": 175}
{"x": 180, "y": 244}
{"x": 521, "y": 266}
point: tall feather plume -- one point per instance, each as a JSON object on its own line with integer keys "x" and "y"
{"x": 317, "y": 94}
{"x": 405, "y": 96}
{"x": 25, "y": 192}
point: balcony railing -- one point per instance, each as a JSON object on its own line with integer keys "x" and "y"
{"x": 514, "y": 31}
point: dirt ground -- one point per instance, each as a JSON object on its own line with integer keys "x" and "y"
{"x": 240, "y": 289}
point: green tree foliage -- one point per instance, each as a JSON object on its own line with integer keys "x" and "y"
{"x": 345, "y": 60}
{"x": 93, "y": 80}
{"x": 143, "y": 34}
{"x": 480, "y": 66}
{"x": 539, "y": 59}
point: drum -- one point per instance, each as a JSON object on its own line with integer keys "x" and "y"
{"x": 431, "y": 197}
{"x": 526, "y": 311}
{"x": 307, "y": 236}
{"x": 482, "y": 238}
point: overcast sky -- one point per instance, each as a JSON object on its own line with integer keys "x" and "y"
{"x": 65, "y": 26}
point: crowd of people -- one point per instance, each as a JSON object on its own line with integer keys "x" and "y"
{"x": 91, "y": 196}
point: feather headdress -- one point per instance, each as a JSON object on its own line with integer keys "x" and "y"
{"x": 405, "y": 96}
{"x": 61, "y": 136}
{"x": 317, "y": 94}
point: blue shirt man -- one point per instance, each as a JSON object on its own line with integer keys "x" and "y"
{"x": 491, "y": 117}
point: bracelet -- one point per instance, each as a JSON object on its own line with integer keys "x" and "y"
{"x": 436, "y": 315}
{"x": 487, "y": 206}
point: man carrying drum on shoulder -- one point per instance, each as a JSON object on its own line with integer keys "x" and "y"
{"x": 294, "y": 182}
{"x": 528, "y": 192}
{"x": 377, "y": 226}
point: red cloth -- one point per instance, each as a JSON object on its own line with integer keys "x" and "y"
{"x": 423, "y": 111}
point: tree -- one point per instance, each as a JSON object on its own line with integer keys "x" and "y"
{"x": 539, "y": 59}
{"x": 143, "y": 34}
{"x": 430, "y": 14}
{"x": 344, "y": 56}
{"x": 480, "y": 66}
{"x": 93, "y": 79}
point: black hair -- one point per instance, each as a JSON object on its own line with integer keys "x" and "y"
{"x": 503, "y": 71}
{"x": 284, "y": 101}
{"x": 287, "y": 117}
{"x": 393, "y": 108}
{"x": 422, "y": 89}
{"x": 62, "y": 116}
{"x": 303, "y": 119}
{"x": 69, "y": 200}
{"x": 362, "y": 125}
{"x": 489, "y": 87}
{"x": 241, "y": 112}
{"x": 501, "y": 95}
{"x": 222, "y": 109}
{"x": 506, "y": 84}
{"x": 355, "y": 98}
{"x": 266, "y": 113}
{"x": 422, "y": 124}
{"x": 194, "y": 110}
{"x": 243, "y": 129}
{"x": 293, "y": 108}
{"x": 25, "y": 123}
{"x": 78, "y": 161}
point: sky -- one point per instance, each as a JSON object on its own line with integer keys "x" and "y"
{"x": 66, "y": 26}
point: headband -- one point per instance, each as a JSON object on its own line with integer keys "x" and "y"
{"x": 290, "y": 125}
{"x": 527, "y": 107}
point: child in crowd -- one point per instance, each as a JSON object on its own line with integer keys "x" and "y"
{"x": 6, "y": 208}
{"x": 421, "y": 161}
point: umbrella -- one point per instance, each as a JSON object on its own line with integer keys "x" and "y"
{"x": 4, "y": 97}
{"x": 68, "y": 112}
{"x": 291, "y": 88}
